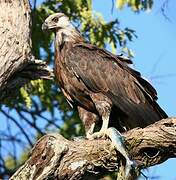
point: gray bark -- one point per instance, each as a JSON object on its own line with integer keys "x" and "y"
{"x": 17, "y": 64}
{"x": 54, "y": 157}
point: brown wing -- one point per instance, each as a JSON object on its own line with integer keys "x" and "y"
{"x": 103, "y": 72}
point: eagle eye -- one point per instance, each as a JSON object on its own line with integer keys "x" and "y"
{"x": 55, "y": 19}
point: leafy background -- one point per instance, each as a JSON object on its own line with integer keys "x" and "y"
{"x": 40, "y": 107}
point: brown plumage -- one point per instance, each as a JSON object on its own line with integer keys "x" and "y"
{"x": 101, "y": 85}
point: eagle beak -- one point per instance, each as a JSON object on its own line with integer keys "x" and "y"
{"x": 44, "y": 26}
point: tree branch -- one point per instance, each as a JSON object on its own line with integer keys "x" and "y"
{"x": 35, "y": 69}
{"x": 54, "y": 157}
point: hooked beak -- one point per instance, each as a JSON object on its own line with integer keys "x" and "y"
{"x": 44, "y": 26}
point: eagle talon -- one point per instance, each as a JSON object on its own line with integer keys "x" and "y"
{"x": 96, "y": 135}
{"x": 117, "y": 142}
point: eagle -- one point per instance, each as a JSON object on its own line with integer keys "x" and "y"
{"x": 106, "y": 91}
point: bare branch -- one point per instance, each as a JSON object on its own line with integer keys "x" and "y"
{"x": 54, "y": 157}
{"x": 19, "y": 126}
{"x": 163, "y": 9}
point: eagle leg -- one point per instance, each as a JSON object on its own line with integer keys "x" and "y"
{"x": 104, "y": 127}
{"x": 118, "y": 143}
{"x": 103, "y": 106}
{"x": 89, "y": 120}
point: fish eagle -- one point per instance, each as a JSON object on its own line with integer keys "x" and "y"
{"x": 101, "y": 85}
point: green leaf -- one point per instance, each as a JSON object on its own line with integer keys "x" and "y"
{"x": 120, "y": 4}
{"x": 25, "y": 95}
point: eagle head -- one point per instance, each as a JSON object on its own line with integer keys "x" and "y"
{"x": 56, "y": 21}
{"x": 64, "y": 30}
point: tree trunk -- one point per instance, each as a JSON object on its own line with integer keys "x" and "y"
{"x": 17, "y": 64}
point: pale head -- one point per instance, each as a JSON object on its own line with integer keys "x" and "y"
{"x": 56, "y": 21}
{"x": 65, "y": 31}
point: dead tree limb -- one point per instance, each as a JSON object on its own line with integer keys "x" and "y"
{"x": 17, "y": 64}
{"x": 54, "y": 157}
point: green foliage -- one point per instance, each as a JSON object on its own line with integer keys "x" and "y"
{"x": 136, "y": 5}
{"x": 10, "y": 163}
{"x": 26, "y": 97}
{"x": 91, "y": 24}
